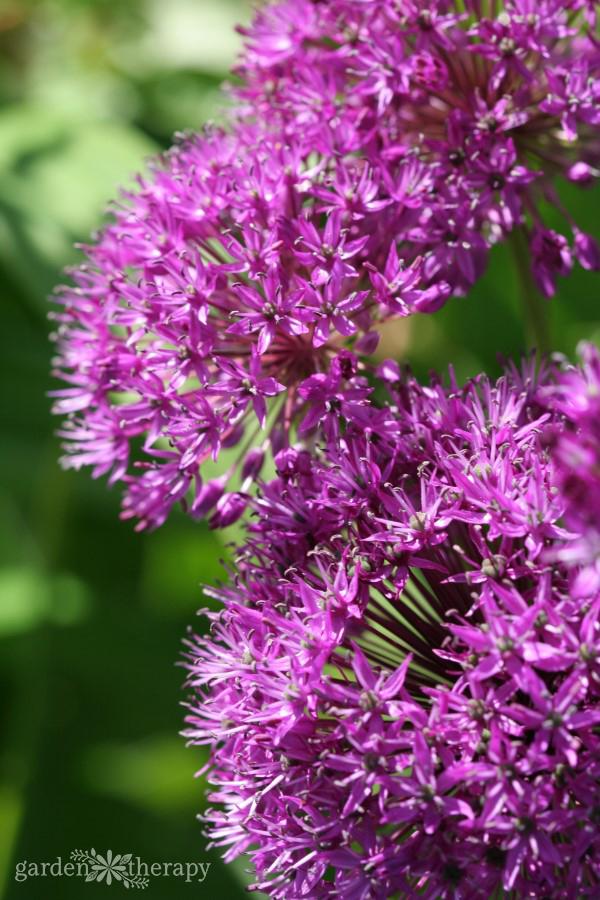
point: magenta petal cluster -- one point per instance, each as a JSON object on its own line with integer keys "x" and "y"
{"x": 401, "y": 693}
{"x": 220, "y": 286}
{"x": 465, "y": 112}
{"x": 378, "y": 150}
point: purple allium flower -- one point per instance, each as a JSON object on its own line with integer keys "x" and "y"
{"x": 216, "y": 291}
{"x": 401, "y": 694}
{"x": 390, "y": 143}
{"x": 474, "y": 107}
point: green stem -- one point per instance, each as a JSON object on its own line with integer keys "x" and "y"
{"x": 534, "y": 305}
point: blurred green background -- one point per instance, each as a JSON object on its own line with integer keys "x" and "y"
{"x": 91, "y": 614}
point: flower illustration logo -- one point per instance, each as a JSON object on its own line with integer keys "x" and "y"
{"x": 100, "y": 867}
{"x": 108, "y": 867}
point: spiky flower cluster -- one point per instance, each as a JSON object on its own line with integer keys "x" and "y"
{"x": 230, "y": 277}
{"x": 401, "y": 692}
{"x": 467, "y": 110}
{"x": 382, "y": 147}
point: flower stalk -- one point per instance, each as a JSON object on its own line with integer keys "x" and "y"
{"x": 535, "y": 307}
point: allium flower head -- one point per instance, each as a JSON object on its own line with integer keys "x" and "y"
{"x": 401, "y": 692}
{"x": 468, "y": 110}
{"x": 215, "y": 292}
{"x": 379, "y": 149}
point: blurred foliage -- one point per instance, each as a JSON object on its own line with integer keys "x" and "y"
{"x": 91, "y": 614}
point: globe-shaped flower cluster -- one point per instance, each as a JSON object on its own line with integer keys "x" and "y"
{"x": 401, "y": 692}
{"x": 379, "y": 149}
{"x": 469, "y": 112}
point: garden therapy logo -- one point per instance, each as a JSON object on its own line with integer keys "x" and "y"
{"x": 122, "y": 868}
{"x": 100, "y": 867}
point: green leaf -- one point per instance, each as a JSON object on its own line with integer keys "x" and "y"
{"x": 25, "y": 599}
{"x": 57, "y": 174}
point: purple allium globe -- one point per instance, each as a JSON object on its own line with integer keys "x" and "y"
{"x": 379, "y": 149}
{"x": 401, "y": 693}
{"x": 468, "y": 110}
{"x": 227, "y": 280}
